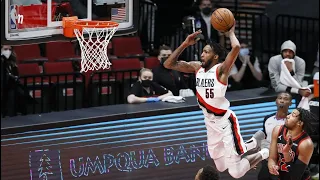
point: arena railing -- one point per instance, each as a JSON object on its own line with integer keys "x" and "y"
{"x": 147, "y": 24}
{"x": 110, "y": 87}
{"x": 35, "y": 94}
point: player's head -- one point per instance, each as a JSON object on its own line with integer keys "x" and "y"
{"x": 207, "y": 173}
{"x": 284, "y": 100}
{"x": 212, "y": 53}
{"x": 164, "y": 53}
{"x": 301, "y": 119}
{"x": 145, "y": 77}
{"x": 288, "y": 50}
{"x": 205, "y": 7}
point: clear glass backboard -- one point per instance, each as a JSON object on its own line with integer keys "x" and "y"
{"x": 42, "y": 19}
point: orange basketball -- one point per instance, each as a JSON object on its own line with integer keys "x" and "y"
{"x": 222, "y": 19}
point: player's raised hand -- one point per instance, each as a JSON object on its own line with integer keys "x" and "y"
{"x": 288, "y": 146}
{"x": 193, "y": 38}
{"x": 231, "y": 31}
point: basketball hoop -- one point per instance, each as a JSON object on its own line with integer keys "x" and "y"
{"x": 94, "y": 47}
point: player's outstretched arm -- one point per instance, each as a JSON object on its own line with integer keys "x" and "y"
{"x": 225, "y": 67}
{"x": 183, "y": 66}
{"x": 297, "y": 168}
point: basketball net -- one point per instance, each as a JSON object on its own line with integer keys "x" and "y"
{"x": 94, "y": 48}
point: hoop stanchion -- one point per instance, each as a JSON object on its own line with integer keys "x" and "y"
{"x": 94, "y": 47}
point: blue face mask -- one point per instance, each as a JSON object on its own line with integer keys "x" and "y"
{"x": 244, "y": 51}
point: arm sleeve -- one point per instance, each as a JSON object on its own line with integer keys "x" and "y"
{"x": 296, "y": 169}
{"x": 274, "y": 75}
{"x": 136, "y": 89}
{"x": 182, "y": 84}
{"x": 159, "y": 90}
{"x": 300, "y": 70}
{"x": 155, "y": 76}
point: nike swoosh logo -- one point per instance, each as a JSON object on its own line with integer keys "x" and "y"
{"x": 224, "y": 127}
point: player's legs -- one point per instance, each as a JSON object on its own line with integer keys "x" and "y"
{"x": 215, "y": 145}
{"x": 219, "y": 159}
{"x": 233, "y": 137}
{"x": 238, "y": 166}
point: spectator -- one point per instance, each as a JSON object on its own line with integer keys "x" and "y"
{"x": 246, "y": 72}
{"x": 288, "y": 51}
{"x": 316, "y": 64}
{"x": 13, "y": 95}
{"x": 170, "y": 79}
{"x": 144, "y": 90}
{"x": 283, "y": 103}
{"x": 202, "y": 21}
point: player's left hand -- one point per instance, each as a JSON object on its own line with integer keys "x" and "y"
{"x": 193, "y": 38}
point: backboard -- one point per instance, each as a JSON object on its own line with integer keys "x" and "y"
{"x": 28, "y": 21}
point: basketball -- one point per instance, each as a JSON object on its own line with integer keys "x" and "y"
{"x": 222, "y": 19}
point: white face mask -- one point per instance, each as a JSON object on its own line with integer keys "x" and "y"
{"x": 244, "y": 51}
{"x": 6, "y": 53}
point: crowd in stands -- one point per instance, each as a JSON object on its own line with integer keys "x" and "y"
{"x": 246, "y": 73}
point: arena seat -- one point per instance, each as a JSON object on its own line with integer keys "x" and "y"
{"x": 30, "y": 69}
{"x": 29, "y": 54}
{"x": 128, "y": 68}
{"x": 59, "y": 68}
{"x": 126, "y": 72}
{"x": 68, "y": 86}
{"x": 151, "y": 62}
{"x": 61, "y": 51}
{"x": 124, "y": 47}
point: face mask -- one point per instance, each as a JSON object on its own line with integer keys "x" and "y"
{"x": 146, "y": 83}
{"x": 163, "y": 59}
{"x": 6, "y": 53}
{"x": 206, "y": 11}
{"x": 244, "y": 51}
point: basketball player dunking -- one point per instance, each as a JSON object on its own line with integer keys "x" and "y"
{"x": 225, "y": 144}
{"x": 291, "y": 147}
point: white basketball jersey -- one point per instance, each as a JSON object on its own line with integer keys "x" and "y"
{"x": 211, "y": 92}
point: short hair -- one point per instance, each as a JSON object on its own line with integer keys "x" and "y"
{"x": 218, "y": 49}
{"x": 164, "y": 47}
{"x": 209, "y": 173}
{"x": 144, "y": 70}
{"x": 309, "y": 120}
{"x": 285, "y": 92}
{"x": 199, "y": 2}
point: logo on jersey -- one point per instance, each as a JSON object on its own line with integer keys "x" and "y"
{"x": 15, "y": 17}
{"x": 204, "y": 82}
